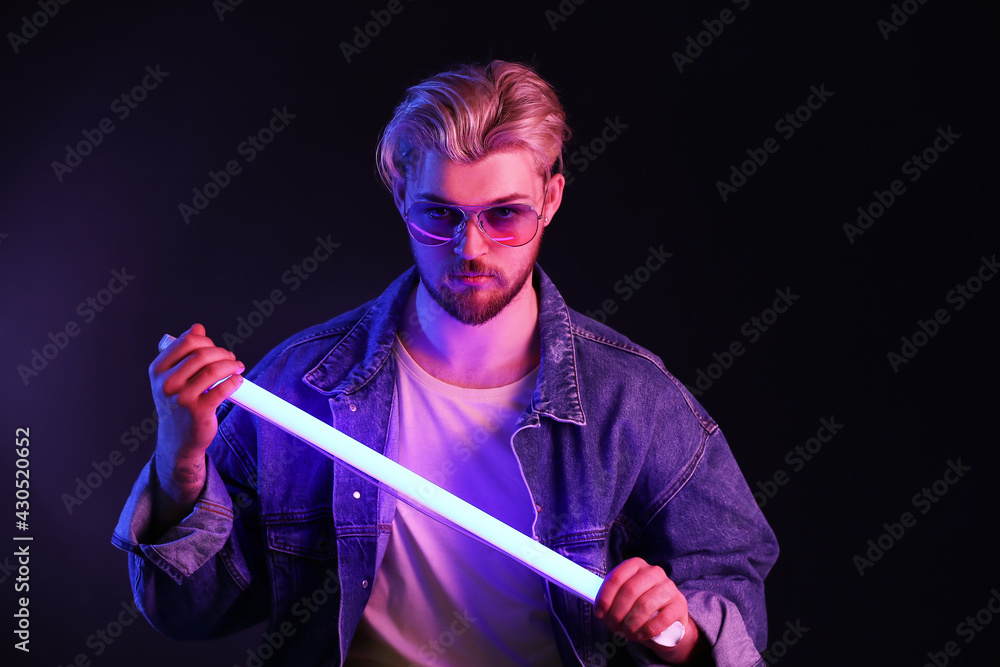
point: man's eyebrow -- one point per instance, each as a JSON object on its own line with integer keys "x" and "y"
{"x": 430, "y": 196}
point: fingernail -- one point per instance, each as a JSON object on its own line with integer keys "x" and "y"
{"x": 240, "y": 364}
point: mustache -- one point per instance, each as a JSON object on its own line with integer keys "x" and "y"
{"x": 475, "y": 266}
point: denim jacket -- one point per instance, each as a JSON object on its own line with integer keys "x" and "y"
{"x": 618, "y": 457}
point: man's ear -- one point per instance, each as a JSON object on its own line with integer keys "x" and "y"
{"x": 553, "y": 197}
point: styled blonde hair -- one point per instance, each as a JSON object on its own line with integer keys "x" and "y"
{"x": 472, "y": 111}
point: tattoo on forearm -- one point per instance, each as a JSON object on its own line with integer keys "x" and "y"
{"x": 190, "y": 474}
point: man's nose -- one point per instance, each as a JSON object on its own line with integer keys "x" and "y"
{"x": 472, "y": 241}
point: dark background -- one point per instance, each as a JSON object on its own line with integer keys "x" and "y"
{"x": 655, "y": 184}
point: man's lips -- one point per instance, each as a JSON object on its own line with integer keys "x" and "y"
{"x": 471, "y": 278}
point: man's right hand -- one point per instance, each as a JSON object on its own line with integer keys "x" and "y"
{"x": 180, "y": 378}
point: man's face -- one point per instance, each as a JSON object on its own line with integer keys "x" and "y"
{"x": 472, "y": 277}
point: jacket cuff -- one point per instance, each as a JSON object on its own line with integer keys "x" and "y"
{"x": 185, "y": 547}
{"x": 720, "y": 621}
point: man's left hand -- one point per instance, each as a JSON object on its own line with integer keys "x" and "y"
{"x": 640, "y": 601}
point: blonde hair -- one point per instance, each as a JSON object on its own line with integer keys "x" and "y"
{"x": 472, "y": 111}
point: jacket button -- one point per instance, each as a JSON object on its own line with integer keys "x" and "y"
{"x": 353, "y": 407}
{"x": 357, "y": 494}
{"x": 364, "y": 583}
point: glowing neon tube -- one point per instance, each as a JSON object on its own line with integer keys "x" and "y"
{"x": 424, "y": 494}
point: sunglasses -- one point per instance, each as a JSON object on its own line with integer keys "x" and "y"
{"x": 433, "y": 224}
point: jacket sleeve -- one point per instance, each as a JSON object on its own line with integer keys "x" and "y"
{"x": 203, "y": 577}
{"x": 712, "y": 540}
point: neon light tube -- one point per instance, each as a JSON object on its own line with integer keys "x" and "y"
{"x": 425, "y": 495}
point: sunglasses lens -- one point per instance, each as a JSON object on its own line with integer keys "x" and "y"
{"x": 436, "y": 224}
{"x": 513, "y": 224}
{"x": 433, "y": 224}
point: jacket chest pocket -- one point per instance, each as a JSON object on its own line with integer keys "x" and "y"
{"x": 313, "y": 538}
{"x": 585, "y": 548}
{"x": 302, "y": 562}
{"x": 305, "y": 585}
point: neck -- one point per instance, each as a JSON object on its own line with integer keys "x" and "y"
{"x": 492, "y": 354}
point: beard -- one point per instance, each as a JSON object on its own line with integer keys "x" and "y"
{"x": 472, "y": 305}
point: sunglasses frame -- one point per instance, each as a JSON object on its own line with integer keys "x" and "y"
{"x": 473, "y": 210}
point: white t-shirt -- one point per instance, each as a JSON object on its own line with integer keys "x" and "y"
{"x": 441, "y": 597}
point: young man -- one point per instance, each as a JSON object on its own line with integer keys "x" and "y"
{"x": 470, "y": 370}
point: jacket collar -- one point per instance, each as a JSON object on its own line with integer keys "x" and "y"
{"x": 357, "y": 357}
